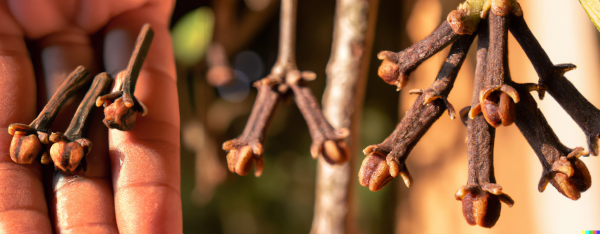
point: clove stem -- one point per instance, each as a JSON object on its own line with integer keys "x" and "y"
{"x": 27, "y": 140}
{"x": 551, "y": 78}
{"x": 70, "y": 148}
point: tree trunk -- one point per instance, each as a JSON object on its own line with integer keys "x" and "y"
{"x": 354, "y": 29}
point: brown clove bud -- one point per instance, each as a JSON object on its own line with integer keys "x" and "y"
{"x": 481, "y": 207}
{"x": 374, "y": 172}
{"x": 27, "y": 141}
{"x": 70, "y": 148}
{"x": 569, "y": 175}
{"x": 396, "y": 67}
{"x": 120, "y": 105}
{"x": 497, "y": 99}
{"x": 498, "y": 109}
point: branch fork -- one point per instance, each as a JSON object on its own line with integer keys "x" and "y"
{"x": 29, "y": 140}
{"x": 120, "y": 106}
{"x": 327, "y": 141}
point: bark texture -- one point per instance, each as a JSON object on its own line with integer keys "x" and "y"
{"x": 354, "y": 29}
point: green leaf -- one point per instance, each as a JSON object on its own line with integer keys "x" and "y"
{"x": 592, "y": 7}
{"x": 192, "y": 35}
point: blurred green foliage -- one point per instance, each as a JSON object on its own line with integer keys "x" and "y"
{"x": 192, "y": 35}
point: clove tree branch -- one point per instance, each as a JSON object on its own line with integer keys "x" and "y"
{"x": 561, "y": 165}
{"x": 327, "y": 141}
{"x": 376, "y": 172}
{"x": 552, "y": 79}
{"x": 481, "y": 196}
{"x": 396, "y": 67}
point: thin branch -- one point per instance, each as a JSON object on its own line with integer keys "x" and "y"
{"x": 396, "y": 67}
{"x": 561, "y": 166}
{"x": 481, "y": 196}
{"x": 552, "y": 79}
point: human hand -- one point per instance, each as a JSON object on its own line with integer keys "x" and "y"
{"x": 132, "y": 180}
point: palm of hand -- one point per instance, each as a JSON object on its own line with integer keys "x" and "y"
{"x": 132, "y": 181}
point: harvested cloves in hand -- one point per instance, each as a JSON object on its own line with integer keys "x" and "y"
{"x": 120, "y": 105}
{"x": 27, "y": 140}
{"x": 71, "y": 147}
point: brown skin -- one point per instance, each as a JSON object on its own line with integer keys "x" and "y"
{"x": 119, "y": 193}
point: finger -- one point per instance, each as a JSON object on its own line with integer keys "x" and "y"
{"x": 145, "y": 160}
{"x": 81, "y": 203}
{"x": 22, "y": 203}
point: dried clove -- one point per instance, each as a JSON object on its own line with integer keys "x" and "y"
{"x": 375, "y": 172}
{"x": 28, "y": 140}
{"x": 396, "y": 67}
{"x": 481, "y": 196}
{"x": 247, "y": 148}
{"x": 561, "y": 165}
{"x": 71, "y": 147}
{"x": 327, "y": 141}
{"x": 120, "y": 105}
{"x": 497, "y": 99}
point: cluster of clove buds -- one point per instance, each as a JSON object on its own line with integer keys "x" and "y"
{"x": 497, "y": 101}
{"x": 68, "y": 149}
{"x": 285, "y": 76}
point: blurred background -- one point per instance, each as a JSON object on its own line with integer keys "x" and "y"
{"x": 243, "y": 35}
